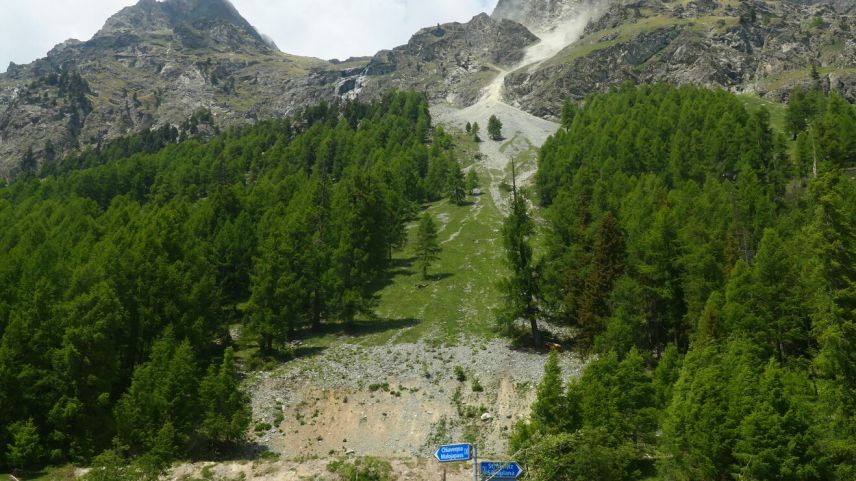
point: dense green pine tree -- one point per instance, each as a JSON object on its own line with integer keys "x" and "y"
{"x": 547, "y": 411}
{"x": 472, "y": 183}
{"x": 427, "y": 248}
{"x": 777, "y": 441}
{"x": 607, "y": 264}
{"x": 569, "y": 113}
{"x": 225, "y": 411}
{"x": 833, "y": 269}
{"x": 494, "y": 128}
{"x": 520, "y": 289}
{"x": 24, "y": 449}
{"x": 734, "y": 283}
{"x": 456, "y": 186}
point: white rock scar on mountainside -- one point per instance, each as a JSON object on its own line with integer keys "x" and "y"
{"x": 517, "y": 124}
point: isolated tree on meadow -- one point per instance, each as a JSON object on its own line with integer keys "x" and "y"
{"x": 427, "y": 247}
{"x": 521, "y": 287}
{"x": 456, "y": 187}
{"x": 475, "y": 131}
{"x": 472, "y": 181}
{"x": 494, "y": 128}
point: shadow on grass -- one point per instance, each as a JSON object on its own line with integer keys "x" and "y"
{"x": 397, "y": 268}
{"x": 440, "y": 276}
{"x": 520, "y": 339}
{"x": 401, "y": 267}
{"x": 366, "y": 327}
{"x": 281, "y": 355}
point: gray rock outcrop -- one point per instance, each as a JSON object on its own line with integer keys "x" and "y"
{"x": 758, "y": 47}
{"x": 152, "y": 64}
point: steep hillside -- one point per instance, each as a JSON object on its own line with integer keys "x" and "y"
{"x": 151, "y": 64}
{"x": 537, "y": 15}
{"x": 762, "y": 47}
{"x": 158, "y": 63}
{"x": 450, "y": 62}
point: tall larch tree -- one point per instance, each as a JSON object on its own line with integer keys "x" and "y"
{"x": 427, "y": 248}
{"x": 520, "y": 289}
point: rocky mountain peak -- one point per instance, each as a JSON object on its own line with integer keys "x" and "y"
{"x": 153, "y": 17}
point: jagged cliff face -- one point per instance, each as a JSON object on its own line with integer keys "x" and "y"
{"x": 450, "y": 63}
{"x": 765, "y": 47}
{"x": 757, "y": 46}
{"x": 541, "y": 16}
{"x": 151, "y": 64}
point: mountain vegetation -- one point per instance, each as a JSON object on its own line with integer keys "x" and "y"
{"x": 123, "y": 270}
{"x": 427, "y": 248}
{"x": 494, "y": 128}
{"x": 709, "y": 266}
{"x": 521, "y": 287}
{"x": 182, "y": 203}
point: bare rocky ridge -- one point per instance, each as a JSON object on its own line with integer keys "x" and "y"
{"x": 761, "y": 47}
{"x": 450, "y": 62}
{"x": 543, "y": 16}
{"x": 152, "y": 64}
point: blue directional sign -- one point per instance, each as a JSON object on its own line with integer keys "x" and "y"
{"x": 454, "y": 452}
{"x": 498, "y": 470}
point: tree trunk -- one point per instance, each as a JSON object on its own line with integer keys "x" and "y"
{"x": 316, "y": 310}
{"x": 536, "y": 334}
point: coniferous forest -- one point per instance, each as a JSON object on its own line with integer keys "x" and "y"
{"x": 709, "y": 265}
{"x": 123, "y": 268}
{"x": 706, "y": 263}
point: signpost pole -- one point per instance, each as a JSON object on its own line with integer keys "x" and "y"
{"x": 475, "y": 462}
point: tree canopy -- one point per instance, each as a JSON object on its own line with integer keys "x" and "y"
{"x": 711, "y": 269}
{"x": 123, "y": 267}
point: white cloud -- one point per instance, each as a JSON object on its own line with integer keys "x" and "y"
{"x": 343, "y": 28}
{"x": 318, "y": 28}
{"x": 29, "y": 28}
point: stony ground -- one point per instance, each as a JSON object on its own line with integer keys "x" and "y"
{"x": 398, "y": 399}
{"x": 405, "y": 469}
